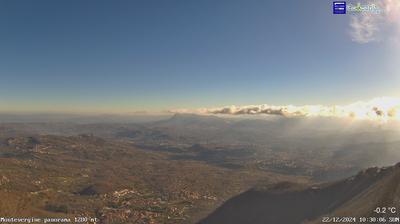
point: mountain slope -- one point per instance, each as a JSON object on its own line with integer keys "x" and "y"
{"x": 289, "y": 203}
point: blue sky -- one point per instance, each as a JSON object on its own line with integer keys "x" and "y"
{"x": 124, "y": 56}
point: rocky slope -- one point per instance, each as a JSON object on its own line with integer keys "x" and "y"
{"x": 290, "y": 203}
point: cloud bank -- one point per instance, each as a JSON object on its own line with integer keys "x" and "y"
{"x": 383, "y": 108}
{"x": 366, "y": 27}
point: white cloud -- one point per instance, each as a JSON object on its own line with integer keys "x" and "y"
{"x": 382, "y": 108}
{"x": 366, "y": 27}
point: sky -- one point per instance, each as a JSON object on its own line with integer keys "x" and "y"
{"x": 120, "y": 56}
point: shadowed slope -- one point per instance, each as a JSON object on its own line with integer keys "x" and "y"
{"x": 288, "y": 203}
